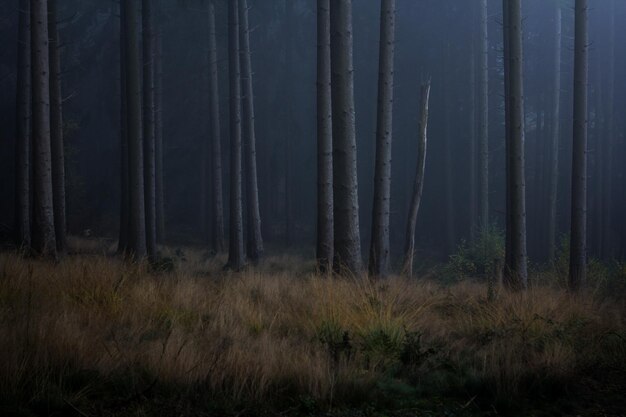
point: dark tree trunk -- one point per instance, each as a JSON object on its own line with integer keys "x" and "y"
{"x": 158, "y": 134}
{"x": 418, "y": 186}
{"x": 236, "y": 256}
{"x": 516, "y": 274}
{"x": 449, "y": 194}
{"x": 124, "y": 169}
{"x": 607, "y": 203}
{"x": 483, "y": 123}
{"x": 379, "y": 247}
{"x": 324, "y": 140}
{"x": 578, "y": 249}
{"x": 254, "y": 237}
{"x": 347, "y": 257}
{"x": 56, "y": 129}
{"x": 473, "y": 174}
{"x": 137, "y": 212}
{"x": 217, "y": 198}
{"x": 44, "y": 239}
{"x": 23, "y": 119}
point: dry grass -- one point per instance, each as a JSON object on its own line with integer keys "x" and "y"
{"x": 92, "y": 328}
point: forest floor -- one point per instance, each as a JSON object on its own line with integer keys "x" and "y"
{"x": 94, "y": 336}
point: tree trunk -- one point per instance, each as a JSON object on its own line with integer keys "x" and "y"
{"x": 324, "y": 140}
{"x": 347, "y": 256}
{"x": 236, "y": 257}
{"x": 217, "y": 198}
{"x": 516, "y": 274}
{"x": 472, "y": 113}
{"x": 450, "y": 231}
{"x": 124, "y": 168}
{"x": 158, "y": 134}
{"x": 483, "y": 122}
{"x": 556, "y": 132}
{"x": 254, "y": 237}
{"x": 607, "y": 226}
{"x": 418, "y": 186}
{"x": 23, "y": 119}
{"x": 56, "y": 126}
{"x": 137, "y": 212}
{"x": 379, "y": 248}
{"x": 578, "y": 255}
{"x": 44, "y": 239}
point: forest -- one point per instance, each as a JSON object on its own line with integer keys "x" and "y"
{"x": 312, "y": 208}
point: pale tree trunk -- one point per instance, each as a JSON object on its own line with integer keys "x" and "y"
{"x": 254, "y": 237}
{"x": 324, "y": 140}
{"x": 578, "y": 248}
{"x": 555, "y": 134}
{"x": 56, "y": 126}
{"x": 607, "y": 226}
{"x": 236, "y": 256}
{"x": 516, "y": 274}
{"x": 124, "y": 169}
{"x": 379, "y": 248}
{"x": 483, "y": 121}
{"x": 23, "y": 119}
{"x": 149, "y": 139}
{"x": 137, "y": 213}
{"x": 217, "y": 198}
{"x": 347, "y": 246}
{"x": 418, "y": 185}
{"x": 158, "y": 134}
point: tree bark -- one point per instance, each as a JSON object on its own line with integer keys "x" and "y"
{"x": 124, "y": 168}
{"x": 379, "y": 247}
{"x": 158, "y": 133}
{"x": 516, "y": 274}
{"x": 236, "y": 256}
{"x": 254, "y": 237}
{"x": 137, "y": 212}
{"x": 23, "y": 120}
{"x": 56, "y": 129}
{"x": 607, "y": 216}
{"x": 473, "y": 174}
{"x": 324, "y": 141}
{"x": 578, "y": 249}
{"x": 347, "y": 256}
{"x": 44, "y": 239}
{"x": 418, "y": 185}
{"x": 216, "y": 143}
{"x": 483, "y": 121}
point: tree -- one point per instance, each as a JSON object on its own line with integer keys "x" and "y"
{"x": 516, "y": 274}
{"x": 483, "y": 121}
{"x": 122, "y": 246}
{"x": 23, "y": 119}
{"x": 56, "y": 126}
{"x": 379, "y": 247}
{"x": 324, "y": 140}
{"x": 254, "y": 237}
{"x": 158, "y": 133}
{"x": 44, "y": 239}
{"x": 217, "y": 198}
{"x": 418, "y": 185}
{"x": 137, "y": 213}
{"x": 578, "y": 248}
{"x": 236, "y": 256}
{"x": 347, "y": 241}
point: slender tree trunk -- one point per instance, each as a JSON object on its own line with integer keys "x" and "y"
{"x": 149, "y": 138}
{"x": 137, "y": 212}
{"x": 23, "y": 144}
{"x": 217, "y": 198}
{"x": 418, "y": 186}
{"x": 236, "y": 256}
{"x": 555, "y": 134}
{"x": 578, "y": 250}
{"x": 473, "y": 175}
{"x": 516, "y": 274}
{"x": 124, "y": 169}
{"x": 324, "y": 140}
{"x": 158, "y": 133}
{"x": 607, "y": 203}
{"x": 254, "y": 237}
{"x": 483, "y": 122}
{"x": 506, "y": 62}
{"x": 56, "y": 129}
{"x": 379, "y": 248}
{"x": 450, "y": 231}
{"x": 347, "y": 257}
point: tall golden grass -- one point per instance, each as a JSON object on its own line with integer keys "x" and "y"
{"x": 92, "y": 326}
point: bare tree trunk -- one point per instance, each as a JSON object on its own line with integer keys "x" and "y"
{"x": 137, "y": 212}
{"x": 556, "y": 132}
{"x": 607, "y": 203}
{"x": 347, "y": 257}
{"x": 483, "y": 123}
{"x": 473, "y": 175}
{"x": 56, "y": 132}
{"x": 23, "y": 119}
{"x": 254, "y": 237}
{"x": 124, "y": 169}
{"x": 216, "y": 143}
{"x": 324, "y": 140}
{"x": 516, "y": 274}
{"x": 450, "y": 230}
{"x": 236, "y": 256}
{"x": 578, "y": 249}
{"x": 418, "y": 186}
{"x": 158, "y": 124}
{"x": 379, "y": 248}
